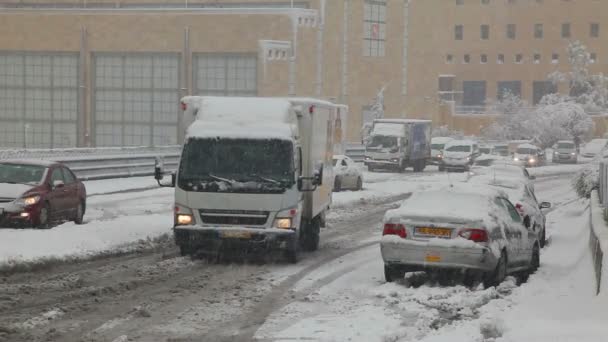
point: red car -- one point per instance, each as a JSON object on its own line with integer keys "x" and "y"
{"x": 34, "y": 193}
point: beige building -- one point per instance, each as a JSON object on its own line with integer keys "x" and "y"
{"x": 110, "y": 73}
{"x": 470, "y": 51}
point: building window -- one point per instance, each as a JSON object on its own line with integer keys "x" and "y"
{"x": 593, "y": 57}
{"x": 566, "y": 30}
{"x": 459, "y": 2}
{"x": 538, "y": 31}
{"x": 555, "y": 58}
{"x": 225, "y": 74}
{"x": 374, "y": 27}
{"x": 537, "y": 58}
{"x": 466, "y": 59}
{"x": 542, "y": 88}
{"x": 519, "y": 58}
{"x": 511, "y": 1}
{"x": 594, "y": 30}
{"x": 511, "y": 31}
{"x": 500, "y": 59}
{"x": 485, "y": 2}
{"x": 511, "y": 87}
{"x": 485, "y": 32}
{"x": 458, "y": 32}
{"x": 449, "y": 58}
{"x": 473, "y": 93}
{"x": 484, "y": 58}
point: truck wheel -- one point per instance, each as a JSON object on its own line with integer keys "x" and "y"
{"x": 417, "y": 166}
{"x": 337, "y": 184}
{"x": 441, "y": 168}
{"x": 371, "y": 168}
{"x": 310, "y": 235}
{"x": 185, "y": 250}
{"x": 292, "y": 253}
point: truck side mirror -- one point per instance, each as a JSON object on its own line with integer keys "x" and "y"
{"x": 158, "y": 169}
{"x": 173, "y": 179}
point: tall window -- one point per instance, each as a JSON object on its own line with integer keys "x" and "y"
{"x": 225, "y": 74}
{"x": 542, "y": 88}
{"x": 485, "y": 32}
{"x": 511, "y": 87}
{"x": 458, "y": 32}
{"x": 511, "y": 31}
{"x": 594, "y": 30}
{"x": 538, "y": 31}
{"x": 374, "y": 28}
{"x": 566, "y": 30}
{"x": 473, "y": 93}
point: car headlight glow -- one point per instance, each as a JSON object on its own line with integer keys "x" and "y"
{"x": 516, "y": 159}
{"x": 28, "y": 201}
{"x": 573, "y": 153}
{"x": 183, "y": 219}
{"x": 532, "y": 160}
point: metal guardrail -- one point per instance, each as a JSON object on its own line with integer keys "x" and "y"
{"x": 599, "y": 231}
{"x": 105, "y": 163}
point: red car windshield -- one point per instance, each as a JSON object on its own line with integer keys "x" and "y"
{"x": 21, "y": 173}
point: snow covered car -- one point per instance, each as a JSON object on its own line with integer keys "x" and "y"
{"x": 437, "y": 146}
{"x": 459, "y": 155}
{"x": 347, "y": 174}
{"x": 529, "y": 155}
{"x": 501, "y": 150}
{"x": 34, "y": 193}
{"x": 565, "y": 152}
{"x": 479, "y": 233}
{"x": 594, "y": 147}
{"x": 526, "y": 203}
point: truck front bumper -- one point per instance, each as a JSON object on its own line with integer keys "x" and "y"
{"x": 381, "y": 162}
{"x": 210, "y": 240}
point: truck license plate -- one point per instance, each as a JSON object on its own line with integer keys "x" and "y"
{"x": 236, "y": 235}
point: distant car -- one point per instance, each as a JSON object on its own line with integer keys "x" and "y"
{"x": 594, "y": 147}
{"x": 501, "y": 150}
{"x": 506, "y": 171}
{"x": 480, "y": 233}
{"x": 34, "y": 193}
{"x": 486, "y": 149}
{"x": 529, "y": 155}
{"x": 565, "y": 152}
{"x": 523, "y": 196}
{"x": 437, "y": 146}
{"x": 348, "y": 175}
{"x": 459, "y": 155}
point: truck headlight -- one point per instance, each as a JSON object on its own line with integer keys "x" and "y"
{"x": 516, "y": 159}
{"x": 367, "y": 158}
{"x": 573, "y": 153}
{"x": 28, "y": 201}
{"x": 286, "y": 219}
{"x": 532, "y": 160}
{"x": 395, "y": 160}
{"x": 183, "y": 216}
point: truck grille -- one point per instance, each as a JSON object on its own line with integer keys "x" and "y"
{"x": 234, "y": 217}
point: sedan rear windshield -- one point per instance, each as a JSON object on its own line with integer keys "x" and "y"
{"x": 459, "y": 148}
{"x": 21, "y": 173}
{"x": 565, "y": 145}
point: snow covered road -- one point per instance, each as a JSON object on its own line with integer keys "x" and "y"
{"x": 335, "y": 294}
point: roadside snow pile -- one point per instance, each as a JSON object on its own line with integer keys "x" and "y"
{"x": 555, "y": 170}
{"x": 109, "y": 186}
{"x": 586, "y": 180}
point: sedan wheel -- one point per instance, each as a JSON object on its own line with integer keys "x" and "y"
{"x": 79, "y": 214}
{"x": 497, "y": 276}
{"x": 43, "y": 217}
{"x": 393, "y": 273}
{"x": 337, "y": 184}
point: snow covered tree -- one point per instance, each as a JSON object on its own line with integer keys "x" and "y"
{"x": 562, "y": 120}
{"x": 377, "y": 109}
{"x": 511, "y": 123}
{"x": 445, "y": 131}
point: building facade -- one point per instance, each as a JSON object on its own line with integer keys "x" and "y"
{"x": 110, "y": 73}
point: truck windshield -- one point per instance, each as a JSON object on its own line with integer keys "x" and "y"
{"x": 565, "y": 145}
{"x": 437, "y": 146}
{"x": 459, "y": 148}
{"x": 382, "y": 141}
{"x": 526, "y": 151}
{"x": 236, "y": 165}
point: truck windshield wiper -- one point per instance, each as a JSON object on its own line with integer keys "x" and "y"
{"x": 270, "y": 180}
{"x": 229, "y": 181}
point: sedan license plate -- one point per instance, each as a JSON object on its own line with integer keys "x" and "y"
{"x": 431, "y": 257}
{"x": 236, "y": 235}
{"x": 439, "y": 232}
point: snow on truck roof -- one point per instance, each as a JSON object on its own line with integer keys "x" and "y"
{"x": 440, "y": 140}
{"x": 243, "y": 130}
{"x": 460, "y": 143}
{"x": 243, "y": 109}
{"x": 402, "y": 121}
{"x": 530, "y": 146}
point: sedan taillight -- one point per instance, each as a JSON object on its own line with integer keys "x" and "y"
{"x": 474, "y": 234}
{"x": 394, "y": 229}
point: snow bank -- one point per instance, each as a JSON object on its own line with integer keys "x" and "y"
{"x": 554, "y": 170}
{"x": 600, "y": 230}
{"x": 108, "y": 186}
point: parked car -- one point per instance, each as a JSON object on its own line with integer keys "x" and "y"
{"x": 592, "y": 148}
{"x": 506, "y": 171}
{"x": 348, "y": 176}
{"x": 437, "y": 146}
{"x": 522, "y": 195}
{"x": 478, "y": 232}
{"x": 565, "y": 152}
{"x": 501, "y": 150}
{"x": 459, "y": 155}
{"x": 529, "y": 155}
{"x": 35, "y": 193}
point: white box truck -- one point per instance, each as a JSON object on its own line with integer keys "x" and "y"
{"x": 398, "y": 144}
{"x": 255, "y": 174}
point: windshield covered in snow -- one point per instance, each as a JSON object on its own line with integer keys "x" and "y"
{"x": 501, "y": 148}
{"x": 21, "y": 174}
{"x": 565, "y": 145}
{"x": 237, "y": 165}
{"x": 437, "y": 146}
{"x": 526, "y": 151}
{"x": 382, "y": 141}
{"x": 459, "y": 148}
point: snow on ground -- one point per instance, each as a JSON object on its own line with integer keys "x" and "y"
{"x": 108, "y": 186}
{"x": 555, "y": 169}
{"x": 348, "y": 300}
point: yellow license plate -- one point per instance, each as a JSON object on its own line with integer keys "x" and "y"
{"x": 441, "y": 232}
{"x": 432, "y": 258}
{"x": 236, "y": 235}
